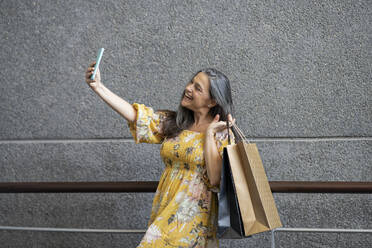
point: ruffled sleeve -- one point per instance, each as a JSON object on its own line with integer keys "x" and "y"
{"x": 222, "y": 140}
{"x": 147, "y": 126}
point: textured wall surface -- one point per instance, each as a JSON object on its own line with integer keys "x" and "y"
{"x": 302, "y": 86}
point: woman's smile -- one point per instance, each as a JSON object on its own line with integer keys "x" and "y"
{"x": 187, "y": 97}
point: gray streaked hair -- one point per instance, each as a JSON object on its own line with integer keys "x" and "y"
{"x": 219, "y": 90}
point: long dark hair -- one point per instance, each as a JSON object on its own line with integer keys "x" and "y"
{"x": 220, "y": 91}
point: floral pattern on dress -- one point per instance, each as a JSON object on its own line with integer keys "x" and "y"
{"x": 185, "y": 209}
{"x": 147, "y": 126}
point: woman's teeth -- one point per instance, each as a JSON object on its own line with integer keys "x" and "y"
{"x": 190, "y": 98}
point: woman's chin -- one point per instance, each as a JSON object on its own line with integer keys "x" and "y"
{"x": 185, "y": 104}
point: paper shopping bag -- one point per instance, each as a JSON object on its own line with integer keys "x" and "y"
{"x": 246, "y": 204}
{"x": 230, "y": 224}
{"x": 256, "y": 202}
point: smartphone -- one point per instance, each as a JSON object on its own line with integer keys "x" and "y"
{"x": 99, "y": 57}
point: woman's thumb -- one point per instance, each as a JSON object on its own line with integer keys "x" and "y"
{"x": 216, "y": 118}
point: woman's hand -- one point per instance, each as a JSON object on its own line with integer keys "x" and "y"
{"x": 217, "y": 125}
{"x": 96, "y": 83}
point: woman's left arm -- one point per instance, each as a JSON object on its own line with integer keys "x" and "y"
{"x": 213, "y": 159}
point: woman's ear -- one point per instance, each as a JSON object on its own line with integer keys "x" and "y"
{"x": 212, "y": 103}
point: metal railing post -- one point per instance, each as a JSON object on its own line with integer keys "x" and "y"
{"x": 273, "y": 238}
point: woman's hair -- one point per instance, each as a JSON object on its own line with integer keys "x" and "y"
{"x": 220, "y": 91}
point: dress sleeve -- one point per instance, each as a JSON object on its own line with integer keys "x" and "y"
{"x": 147, "y": 126}
{"x": 222, "y": 140}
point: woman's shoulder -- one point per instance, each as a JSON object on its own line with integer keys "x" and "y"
{"x": 149, "y": 108}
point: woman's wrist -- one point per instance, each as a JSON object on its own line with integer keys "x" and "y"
{"x": 210, "y": 133}
{"x": 99, "y": 89}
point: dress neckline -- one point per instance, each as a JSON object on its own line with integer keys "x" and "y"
{"x": 193, "y": 131}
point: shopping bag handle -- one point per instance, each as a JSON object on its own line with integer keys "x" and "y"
{"x": 238, "y": 131}
{"x": 228, "y": 132}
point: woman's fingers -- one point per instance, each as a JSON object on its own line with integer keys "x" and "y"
{"x": 88, "y": 76}
{"x": 218, "y": 126}
{"x": 224, "y": 123}
{"x": 89, "y": 70}
{"x": 221, "y": 125}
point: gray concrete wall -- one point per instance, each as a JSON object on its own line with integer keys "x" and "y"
{"x": 301, "y": 79}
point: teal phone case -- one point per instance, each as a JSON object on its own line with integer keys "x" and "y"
{"x": 99, "y": 57}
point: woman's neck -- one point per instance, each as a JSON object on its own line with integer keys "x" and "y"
{"x": 201, "y": 122}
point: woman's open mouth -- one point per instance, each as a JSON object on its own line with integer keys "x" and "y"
{"x": 187, "y": 97}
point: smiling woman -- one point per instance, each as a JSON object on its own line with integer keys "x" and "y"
{"x": 208, "y": 93}
{"x": 184, "y": 211}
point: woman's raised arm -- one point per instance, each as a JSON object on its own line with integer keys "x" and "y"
{"x": 117, "y": 103}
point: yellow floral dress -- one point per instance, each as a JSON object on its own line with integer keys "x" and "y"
{"x": 185, "y": 210}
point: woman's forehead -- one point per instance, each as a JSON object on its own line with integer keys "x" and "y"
{"x": 202, "y": 78}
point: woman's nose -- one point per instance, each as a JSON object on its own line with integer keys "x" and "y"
{"x": 188, "y": 89}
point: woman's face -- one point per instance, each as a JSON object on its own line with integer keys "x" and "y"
{"x": 196, "y": 95}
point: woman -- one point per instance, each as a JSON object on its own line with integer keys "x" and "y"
{"x": 184, "y": 211}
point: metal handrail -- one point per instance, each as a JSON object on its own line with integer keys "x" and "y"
{"x": 54, "y": 229}
{"x": 78, "y": 230}
{"x": 321, "y": 230}
{"x": 150, "y": 186}
{"x": 316, "y": 230}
